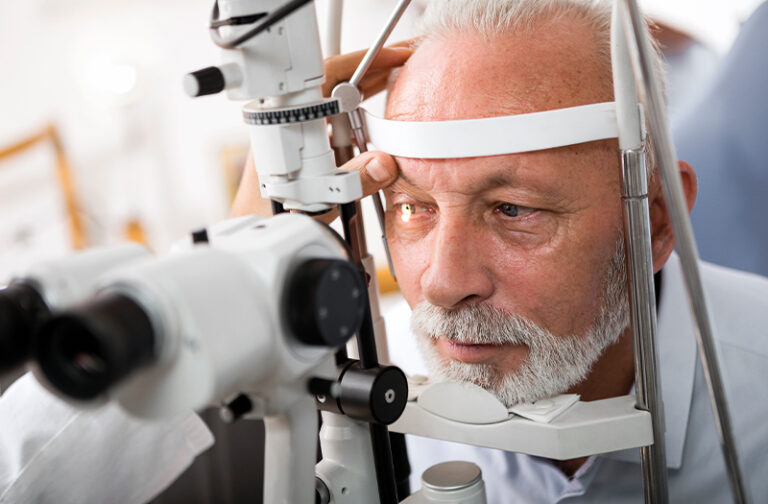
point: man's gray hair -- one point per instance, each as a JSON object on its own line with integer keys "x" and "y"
{"x": 494, "y": 17}
{"x": 489, "y": 17}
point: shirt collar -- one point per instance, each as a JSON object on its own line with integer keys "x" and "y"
{"x": 676, "y": 343}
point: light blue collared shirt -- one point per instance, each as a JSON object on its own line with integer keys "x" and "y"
{"x": 696, "y": 470}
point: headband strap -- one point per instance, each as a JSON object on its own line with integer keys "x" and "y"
{"x": 493, "y": 135}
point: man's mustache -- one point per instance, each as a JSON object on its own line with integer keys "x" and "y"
{"x": 476, "y": 325}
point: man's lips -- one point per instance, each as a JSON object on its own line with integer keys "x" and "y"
{"x": 467, "y": 352}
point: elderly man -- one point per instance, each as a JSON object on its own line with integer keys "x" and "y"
{"x": 513, "y": 265}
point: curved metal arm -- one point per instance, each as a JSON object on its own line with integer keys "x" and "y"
{"x": 361, "y": 70}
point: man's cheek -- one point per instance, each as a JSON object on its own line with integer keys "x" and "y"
{"x": 408, "y": 263}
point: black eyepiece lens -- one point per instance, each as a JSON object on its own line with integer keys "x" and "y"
{"x": 22, "y": 310}
{"x": 84, "y": 351}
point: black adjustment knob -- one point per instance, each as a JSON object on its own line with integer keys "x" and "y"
{"x": 236, "y": 408}
{"x": 324, "y": 388}
{"x": 200, "y": 236}
{"x": 325, "y": 302}
{"x": 374, "y": 395}
{"x": 204, "y": 82}
{"x": 22, "y": 309}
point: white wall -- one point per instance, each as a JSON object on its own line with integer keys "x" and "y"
{"x": 109, "y": 75}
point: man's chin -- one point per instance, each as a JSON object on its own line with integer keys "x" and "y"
{"x": 482, "y": 366}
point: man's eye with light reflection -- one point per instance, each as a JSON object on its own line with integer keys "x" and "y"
{"x": 409, "y": 210}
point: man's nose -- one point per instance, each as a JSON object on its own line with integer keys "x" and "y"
{"x": 457, "y": 271}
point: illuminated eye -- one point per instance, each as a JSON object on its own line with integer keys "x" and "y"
{"x": 406, "y": 210}
{"x": 509, "y": 209}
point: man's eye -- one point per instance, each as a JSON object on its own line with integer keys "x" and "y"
{"x": 512, "y": 210}
{"x": 407, "y": 210}
{"x": 509, "y": 210}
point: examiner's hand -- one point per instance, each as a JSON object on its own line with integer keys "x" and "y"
{"x": 340, "y": 68}
{"x": 377, "y": 169}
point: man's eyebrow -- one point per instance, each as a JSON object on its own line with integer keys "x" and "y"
{"x": 498, "y": 180}
{"x": 544, "y": 194}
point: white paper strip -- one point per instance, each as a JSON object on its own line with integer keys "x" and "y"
{"x": 493, "y": 135}
{"x": 545, "y": 410}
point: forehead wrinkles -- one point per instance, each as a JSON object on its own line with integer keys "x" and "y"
{"x": 560, "y": 173}
{"x": 457, "y": 176}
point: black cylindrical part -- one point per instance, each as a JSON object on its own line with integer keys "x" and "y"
{"x": 277, "y": 208}
{"x": 374, "y": 395}
{"x": 325, "y": 302}
{"x": 206, "y": 81}
{"x": 401, "y": 463}
{"x": 84, "y": 351}
{"x": 236, "y": 408}
{"x": 22, "y": 310}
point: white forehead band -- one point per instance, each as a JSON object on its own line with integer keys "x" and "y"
{"x": 493, "y": 135}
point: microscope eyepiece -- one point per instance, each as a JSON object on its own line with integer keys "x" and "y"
{"x": 84, "y": 351}
{"x": 22, "y": 310}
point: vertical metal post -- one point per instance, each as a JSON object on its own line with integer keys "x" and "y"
{"x": 643, "y": 319}
{"x": 366, "y": 347}
{"x": 639, "y": 258}
{"x": 355, "y": 118}
{"x": 642, "y": 56}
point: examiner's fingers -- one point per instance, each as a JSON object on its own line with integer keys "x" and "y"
{"x": 248, "y": 199}
{"x": 340, "y": 68}
{"x": 377, "y": 170}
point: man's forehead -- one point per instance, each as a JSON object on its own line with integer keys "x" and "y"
{"x": 471, "y": 76}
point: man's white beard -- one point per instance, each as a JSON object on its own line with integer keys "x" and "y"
{"x": 554, "y": 364}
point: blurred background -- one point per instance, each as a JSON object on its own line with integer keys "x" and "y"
{"x": 97, "y": 86}
{"x": 99, "y": 144}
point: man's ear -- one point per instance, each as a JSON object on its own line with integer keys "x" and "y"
{"x": 662, "y": 237}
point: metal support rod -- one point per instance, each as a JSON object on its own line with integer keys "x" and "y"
{"x": 643, "y": 320}
{"x": 370, "y": 56}
{"x": 366, "y": 345}
{"x": 333, "y": 17}
{"x": 642, "y": 56}
{"x": 356, "y": 120}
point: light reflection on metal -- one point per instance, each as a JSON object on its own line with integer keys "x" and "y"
{"x": 643, "y": 320}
